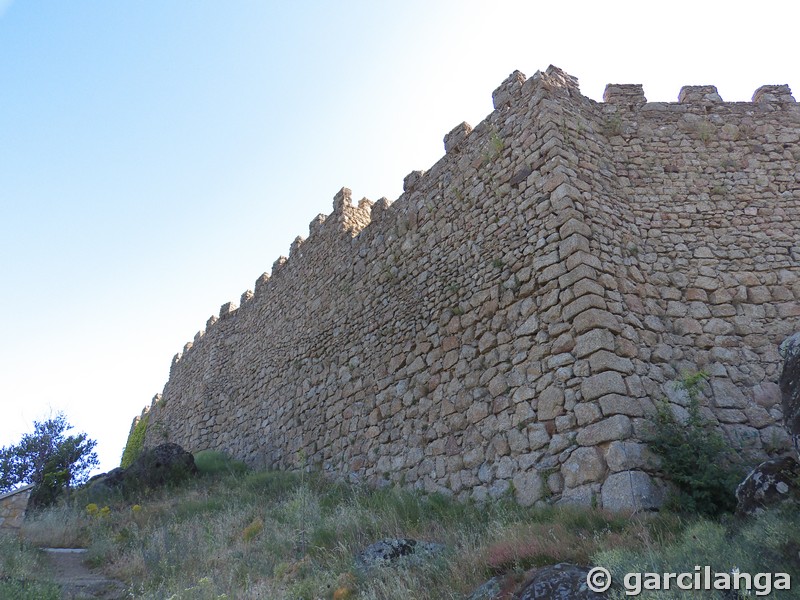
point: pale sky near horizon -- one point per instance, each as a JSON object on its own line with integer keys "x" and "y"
{"x": 157, "y": 157}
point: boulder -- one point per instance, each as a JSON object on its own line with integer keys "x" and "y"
{"x": 154, "y": 468}
{"x": 771, "y": 482}
{"x": 387, "y": 551}
{"x": 558, "y": 582}
{"x": 164, "y": 464}
{"x": 499, "y": 587}
{"x": 790, "y": 385}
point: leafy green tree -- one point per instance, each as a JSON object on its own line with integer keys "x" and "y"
{"x": 48, "y": 458}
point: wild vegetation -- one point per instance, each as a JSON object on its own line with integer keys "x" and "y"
{"x": 695, "y": 458}
{"x": 48, "y": 458}
{"x": 234, "y": 533}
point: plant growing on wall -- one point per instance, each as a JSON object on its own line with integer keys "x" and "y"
{"x": 694, "y": 456}
{"x": 135, "y": 443}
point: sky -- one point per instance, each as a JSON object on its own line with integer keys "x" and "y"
{"x": 157, "y": 157}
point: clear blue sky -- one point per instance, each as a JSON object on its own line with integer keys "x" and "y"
{"x": 157, "y": 157}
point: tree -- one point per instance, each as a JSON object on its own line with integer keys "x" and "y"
{"x": 49, "y": 459}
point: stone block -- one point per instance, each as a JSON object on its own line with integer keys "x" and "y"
{"x": 617, "y": 427}
{"x": 581, "y": 305}
{"x": 528, "y": 487}
{"x": 595, "y": 318}
{"x": 727, "y": 394}
{"x": 591, "y": 341}
{"x": 587, "y": 412}
{"x": 584, "y": 465}
{"x": 550, "y": 403}
{"x": 608, "y": 382}
{"x": 603, "y": 360}
{"x": 767, "y": 394}
{"x": 618, "y": 404}
{"x": 624, "y": 456}
{"x": 583, "y": 495}
{"x": 631, "y": 491}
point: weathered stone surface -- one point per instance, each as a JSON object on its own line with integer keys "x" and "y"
{"x": 583, "y": 466}
{"x": 790, "y": 384}
{"x": 767, "y": 394}
{"x": 631, "y": 490}
{"x": 617, "y": 404}
{"x": 608, "y": 382}
{"x": 617, "y": 427}
{"x": 563, "y": 262}
{"x": 770, "y": 483}
{"x": 391, "y": 550}
{"x": 727, "y": 394}
{"x": 528, "y": 487}
{"x": 627, "y": 456}
{"x": 558, "y": 582}
{"x": 551, "y": 403}
{"x": 13, "y": 506}
{"x": 155, "y": 467}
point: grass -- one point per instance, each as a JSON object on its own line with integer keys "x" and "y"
{"x": 766, "y": 544}
{"x": 238, "y": 534}
{"x": 21, "y": 566}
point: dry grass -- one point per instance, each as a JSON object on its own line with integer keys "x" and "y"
{"x": 276, "y": 535}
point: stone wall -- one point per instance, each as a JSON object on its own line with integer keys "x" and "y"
{"x": 12, "y": 508}
{"x": 506, "y": 325}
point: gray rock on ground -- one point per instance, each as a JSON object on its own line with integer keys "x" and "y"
{"x": 390, "y": 550}
{"x": 770, "y": 483}
{"x": 558, "y": 582}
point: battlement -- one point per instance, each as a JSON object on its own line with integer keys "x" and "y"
{"x": 511, "y": 319}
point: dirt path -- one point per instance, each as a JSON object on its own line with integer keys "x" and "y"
{"x": 77, "y": 581}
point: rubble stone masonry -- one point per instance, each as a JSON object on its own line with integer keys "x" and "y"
{"x": 13, "y": 506}
{"x": 508, "y": 323}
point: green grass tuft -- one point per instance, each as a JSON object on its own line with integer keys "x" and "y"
{"x": 211, "y": 462}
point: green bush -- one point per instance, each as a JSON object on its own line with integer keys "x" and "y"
{"x": 694, "y": 456}
{"x": 211, "y": 462}
{"x": 135, "y": 443}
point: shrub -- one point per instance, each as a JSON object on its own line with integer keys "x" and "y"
{"x": 135, "y": 443}
{"x": 694, "y": 456}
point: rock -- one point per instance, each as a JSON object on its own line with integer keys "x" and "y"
{"x": 583, "y": 466}
{"x": 164, "y": 464}
{"x": 624, "y": 456}
{"x": 500, "y": 586}
{"x": 155, "y": 467}
{"x": 390, "y": 550}
{"x": 617, "y": 427}
{"x": 528, "y": 487}
{"x": 790, "y": 385}
{"x": 770, "y": 483}
{"x": 631, "y": 490}
{"x": 558, "y": 582}
{"x": 767, "y": 394}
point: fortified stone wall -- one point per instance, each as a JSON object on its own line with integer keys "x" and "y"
{"x": 506, "y": 325}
